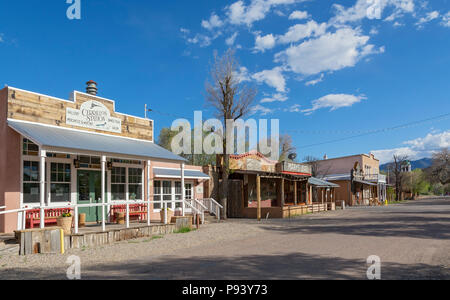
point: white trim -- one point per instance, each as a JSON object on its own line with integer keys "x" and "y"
{"x": 176, "y": 177}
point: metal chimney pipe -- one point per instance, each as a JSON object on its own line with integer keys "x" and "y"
{"x": 91, "y": 88}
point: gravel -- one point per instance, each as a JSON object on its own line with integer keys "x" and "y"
{"x": 412, "y": 240}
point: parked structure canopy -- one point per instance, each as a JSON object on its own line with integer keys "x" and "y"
{"x": 57, "y": 138}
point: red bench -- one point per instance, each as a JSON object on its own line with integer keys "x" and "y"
{"x": 33, "y": 217}
{"x": 136, "y": 211}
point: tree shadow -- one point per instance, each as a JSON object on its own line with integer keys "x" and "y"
{"x": 292, "y": 266}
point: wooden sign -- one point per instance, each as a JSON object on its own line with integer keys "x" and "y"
{"x": 93, "y": 115}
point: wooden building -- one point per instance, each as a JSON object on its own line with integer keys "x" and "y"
{"x": 263, "y": 188}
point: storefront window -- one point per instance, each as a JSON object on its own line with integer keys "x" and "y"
{"x": 31, "y": 182}
{"x": 167, "y": 192}
{"x": 60, "y": 177}
{"x": 157, "y": 192}
{"x": 118, "y": 182}
{"x": 178, "y": 193}
{"x": 135, "y": 184}
{"x": 30, "y": 148}
{"x": 188, "y": 191}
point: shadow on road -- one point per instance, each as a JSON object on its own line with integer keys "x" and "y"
{"x": 291, "y": 266}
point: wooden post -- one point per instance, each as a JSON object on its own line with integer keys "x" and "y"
{"x": 103, "y": 192}
{"x": 43, "y": 155}
{"x": 310, "y": 195}
{"x": 306, "y": 193}
{"x": 183, "y": 191}
{"x": 295, "y": 193}
{"x": 149, "y": 165}
{"x": 258, "y": 196}
{"x": 282, "y": 192}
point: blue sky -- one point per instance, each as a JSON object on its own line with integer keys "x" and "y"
{"x": 328, "y": 70}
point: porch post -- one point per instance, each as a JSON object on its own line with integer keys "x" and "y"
{"x": 43, "y": 155}
{"x": 310, "y": 195}
{"x": 282, "y": 192}
{"x": 295, "y": 193}
{"x": 149, "y": 164}
{"x": 306, "y": 193}
{"x": 258, "y": 196}
{"x": 103, "y": 192}
{"x": 323, "y": 190}
{"x": 183, "y": 192}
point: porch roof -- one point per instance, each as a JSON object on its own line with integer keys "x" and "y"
{"x": 176, "y": 173}
{"x": 321, "y": 183}
{"x": 60, "y": 139}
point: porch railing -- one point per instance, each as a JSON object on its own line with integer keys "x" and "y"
{"x": 212, "y": 206}
{"x": 76, "y": 207}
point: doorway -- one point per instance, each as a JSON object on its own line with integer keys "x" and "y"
{"x": 89, "y": 191}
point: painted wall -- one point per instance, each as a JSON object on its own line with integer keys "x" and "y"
{"x": 344, "y": 165}
{"x": 10, "y": 160}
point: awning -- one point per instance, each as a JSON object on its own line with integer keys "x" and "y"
{"x": 321, "y": 183}
{"x": 53, "y": 138}
{"x": 176, "y": 173}
{"x": 365, "y": 182}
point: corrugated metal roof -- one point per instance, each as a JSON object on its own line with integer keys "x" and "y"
{"x": 169, "y": 173}
{"x": 365, "y": 182}
{"x": 51, "y": 136}
{"x": 321, "y": 183}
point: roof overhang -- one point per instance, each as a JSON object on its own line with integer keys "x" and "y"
{"x": 176, "y": 173}
{"x": 73, "y": 141}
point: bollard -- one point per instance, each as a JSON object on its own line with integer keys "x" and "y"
{"x": 343, "y": 205}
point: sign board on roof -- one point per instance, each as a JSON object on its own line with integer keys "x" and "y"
{"x": 93, "y": 115}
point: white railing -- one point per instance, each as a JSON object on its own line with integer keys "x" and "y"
{"x": 2, "y": 207}
{"x": 212, "y": 207}
{"x": 76, "y": 207}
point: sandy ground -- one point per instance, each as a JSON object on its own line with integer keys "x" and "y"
{"x": 411, "y": 239}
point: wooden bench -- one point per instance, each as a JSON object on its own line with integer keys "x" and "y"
{"x": 137, "y": 211}
{"x": 33, "y": 217}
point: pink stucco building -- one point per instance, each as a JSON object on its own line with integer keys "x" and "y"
{"x": 56, "y": 152}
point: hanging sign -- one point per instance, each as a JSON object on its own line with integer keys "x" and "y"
{"x": 93, "y": 115}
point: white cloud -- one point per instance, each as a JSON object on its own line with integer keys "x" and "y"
{"x": 243, "y": 74}
{"x": 371, "y": 10}
{"x": 418, "y": 148}
{"x": 428, "y": 18}
{"x": 446, "y": 20}
{"x": 278, "y": 97}
{"x": 334, "y": 102}
{"x": 214, "y": 22}
{"x": 240, "y": 14}
{"x": 298, "y": 15}
{"x": 329, "y": 52}
{"x": 301, "y": 31}
{"x": 273, "y": 78}
{"x": 295, "y": 108}
{"x": 262, "y": 110}
{"x": 230, "y": 41}
{"x": 315, "y": 81}
{"x": 264, "y": 43}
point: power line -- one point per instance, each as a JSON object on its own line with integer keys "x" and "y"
{"x": 441, "y": 117}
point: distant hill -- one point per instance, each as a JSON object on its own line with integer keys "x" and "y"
{"x": 417, "y": 164}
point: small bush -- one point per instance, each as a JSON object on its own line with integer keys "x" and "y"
{"x": 183, "y": 230}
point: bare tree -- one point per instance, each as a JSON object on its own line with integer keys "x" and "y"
{"x": 400, "y": 161}
{"x": 232, "y": 100}
{"x": 286, "y": 147}
{"x": 440, "y": 169}
{"x": 314, "y": 163}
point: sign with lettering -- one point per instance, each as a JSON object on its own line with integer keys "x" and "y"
{"x": 93, "y": 115}
{"x": 293, "y": 167}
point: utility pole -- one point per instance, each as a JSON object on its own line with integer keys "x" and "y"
{"x": 146, "y": 110}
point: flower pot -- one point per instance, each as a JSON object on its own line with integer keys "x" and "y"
{"x": 120, "y": 218}
{"x": 82, "y": 220}
{"x": 169, "y": 215}
{"x": 65, "y": 224}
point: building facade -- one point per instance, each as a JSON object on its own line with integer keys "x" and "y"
{"x": 260, "y": 188}
{"x": 55, "y": 152}
{"x": 358, "y": 176}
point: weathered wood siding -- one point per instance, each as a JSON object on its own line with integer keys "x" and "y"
{"x": 36, "y": 108}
